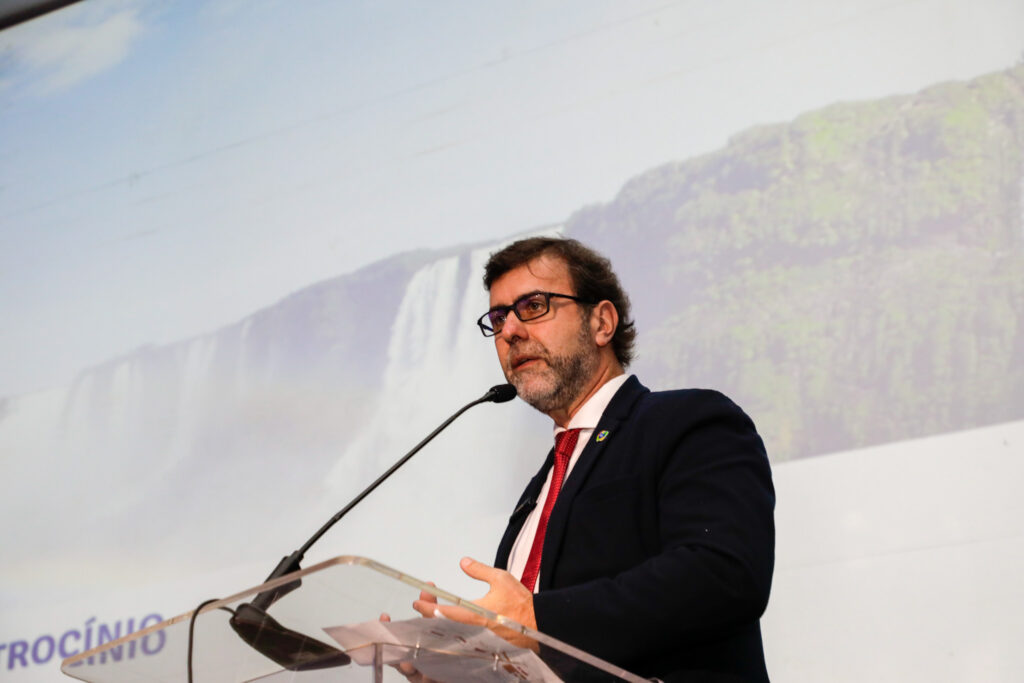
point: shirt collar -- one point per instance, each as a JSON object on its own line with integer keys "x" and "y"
{"x": 590, "y": 412}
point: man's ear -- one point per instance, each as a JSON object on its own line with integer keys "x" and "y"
{"x": 604, "y": 320}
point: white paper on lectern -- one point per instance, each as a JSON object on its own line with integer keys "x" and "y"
{"x": 428, "y": 644}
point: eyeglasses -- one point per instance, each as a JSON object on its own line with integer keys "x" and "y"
{"x": 527, "y": 307}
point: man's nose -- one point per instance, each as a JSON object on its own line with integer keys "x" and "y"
{"x": 513, "y": 328}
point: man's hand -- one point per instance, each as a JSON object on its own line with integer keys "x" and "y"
{"x": 507, "y": 597}
{"x": 427, "y": 603}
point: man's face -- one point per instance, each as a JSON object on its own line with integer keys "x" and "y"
{"x": 549, "y": 360}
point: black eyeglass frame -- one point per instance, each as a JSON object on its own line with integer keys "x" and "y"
{"x": 488, "y": 331}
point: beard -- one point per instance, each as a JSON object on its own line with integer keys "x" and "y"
{"x": 562, "y": 379}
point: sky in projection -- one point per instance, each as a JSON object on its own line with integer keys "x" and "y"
{"x": 168, "y": 168}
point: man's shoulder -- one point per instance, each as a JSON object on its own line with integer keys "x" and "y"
{"x": 689, "y": 395}
{"x": 687, "y": 399}
{"x": 705, "y": 419}
{"x": 681, "y": 408}
{"x": 636, "y": 404}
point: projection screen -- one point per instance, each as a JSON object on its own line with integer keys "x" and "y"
{"x": 242, "y": 248}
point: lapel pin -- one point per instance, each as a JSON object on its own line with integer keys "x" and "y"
{"x": 601, "y": 436}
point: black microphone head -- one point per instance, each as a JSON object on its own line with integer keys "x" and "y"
{"x": 500, "y": 393}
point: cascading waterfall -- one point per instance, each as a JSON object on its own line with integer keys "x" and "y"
{"x": 454, "y": 497}
{"x": 159, "y": 436}
{"x": 430, "y": 354}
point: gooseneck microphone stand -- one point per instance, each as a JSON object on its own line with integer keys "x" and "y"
{"x": 293, "y": 650}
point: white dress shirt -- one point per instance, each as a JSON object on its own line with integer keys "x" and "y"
{"x": 585, "y": 419}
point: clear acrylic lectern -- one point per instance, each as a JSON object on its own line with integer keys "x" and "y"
{"x": 333, "y": 617}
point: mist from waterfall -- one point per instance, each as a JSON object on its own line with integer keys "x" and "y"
{"x": 234, "y": 446}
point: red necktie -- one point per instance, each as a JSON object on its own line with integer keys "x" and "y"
{"x": 565, "y": 444}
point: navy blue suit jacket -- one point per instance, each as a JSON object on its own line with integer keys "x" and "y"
{"x": 659, "y": 551}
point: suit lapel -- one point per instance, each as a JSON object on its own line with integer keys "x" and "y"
{"x": 618, "y": 410}
{"x": 527, "y": 502}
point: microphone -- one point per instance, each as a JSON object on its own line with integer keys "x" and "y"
{"x": 291, "y": 649}
{"x": 500, "y": 393}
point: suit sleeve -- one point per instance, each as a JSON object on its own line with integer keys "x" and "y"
{"x": 710, "y": 575}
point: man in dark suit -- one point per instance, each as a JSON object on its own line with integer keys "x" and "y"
{"x": 647, "y": 537}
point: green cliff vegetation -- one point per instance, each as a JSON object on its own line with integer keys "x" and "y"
{"x": 851, "y": 278}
